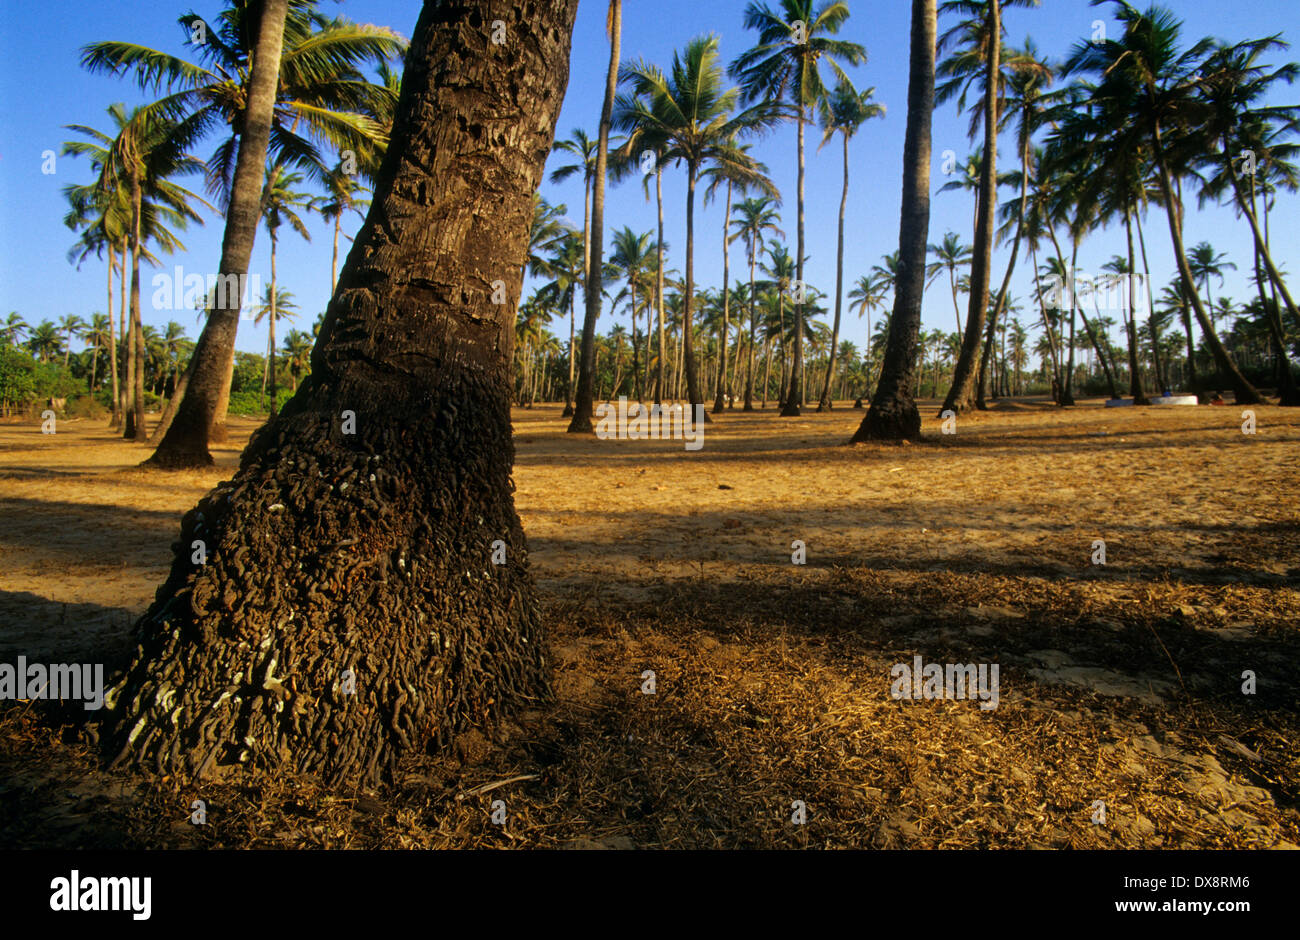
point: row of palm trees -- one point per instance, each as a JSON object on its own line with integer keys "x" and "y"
{"x": 1084, "y": 164}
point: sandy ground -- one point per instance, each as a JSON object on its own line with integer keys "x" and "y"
{"x": 1119, "y": 681}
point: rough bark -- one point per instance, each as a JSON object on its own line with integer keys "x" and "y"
{"x": 204, "y": 407}
{"x": 893, "y": 414}
{"x": 367, "y": 547}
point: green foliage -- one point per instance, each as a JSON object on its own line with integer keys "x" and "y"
{"x": 248, "y": 374}
{"x": 17, "y": 379}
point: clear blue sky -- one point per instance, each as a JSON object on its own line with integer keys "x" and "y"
{"x": 42, "y": 88}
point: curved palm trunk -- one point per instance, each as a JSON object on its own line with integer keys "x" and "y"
{"x": 334, "y": 257}
{"x": 794, "y": 395}
{"x": 824, "y": 403}
{"x": 1245, "y": 392}
{"x": 1135, "y": 376}
{"x": 1000, "y": 306}
{"x": 1162, "y": 380}
{"x": 961, "y": 395}
{"x": 395, "y": 633}
{"x": 893, "y": 414}
{"x": 583, "y": 407}
{"x": 203, "y": 408}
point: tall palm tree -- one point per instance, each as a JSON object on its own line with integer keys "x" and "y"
{"x": 843, "y": 111}
{"x": 739, "y": 171}
{"x": 893, "y": 414}
{"x": 754, "y": 219}
{"x": 567, "y": 273}
{"x": 281, "y": 203}
{"x": 342, "y": 195}
{"x": 951, "y": 256}
{"x": 584, "y": 403}
{"x": 867, "y": 295}
{"x": 72, "y": 326}
{"x": 276, "y": 304}
{"x": 1206, "y": 263}
{"x": 976, "y": 57}
{"x": 1147, "y": 87}
{"x": 782, "y": 270}
{"x": 785, "y": 65}
{"x": 690, "y": 115}
{"x": 631, "y": 254}
{"x": 147, "y": 150}
{"x": 99, "y": 335}
{"x": 584, "y": 150}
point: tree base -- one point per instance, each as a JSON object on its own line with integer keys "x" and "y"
{"x": 337, "y": 603}
{"x": 892, "y": 418}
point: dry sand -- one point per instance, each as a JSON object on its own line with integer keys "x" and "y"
{"x": 1119, "y": 682}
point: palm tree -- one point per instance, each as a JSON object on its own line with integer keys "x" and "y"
{"x": 297, "y": 354}
{"x": 632, "y": 256}
{"x": 893, "y": 414}
{"x": 784, "y": 66}
{"x": 148, "y": 149}
{"x": 584, "y": 149}
{"x": 844, "y": 111}
{"x": 755, "y": 217}
{"x": 1233, "y": 82}
{"x": 584, "y": 404}
{"x": 688, "y": 115}
{"x": 740, "y": 172}
{"x": 425, "y": 372}
{"x": 280, "y": 204}
{"x": 1148, "y": 89}
{"x": 14, "y": 327}
{"x": 44, "y": 341}
{"x": 951, "y": 255}
{"x": 781, "y": 269}
{"x": 72, "y": 326}
{"x": 545, "y": 233}
{"x": 976, "y": 45}
{"x": 565, "y": 269}
{"x": 277, "y": 305}
{"x": 342, "y": 195}
{"x": 868, "y": 294}
{"x": 98, "y": 335}
{"x": 1206, "y": 263}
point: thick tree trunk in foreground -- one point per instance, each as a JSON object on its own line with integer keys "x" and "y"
{"x": 961, "y": 395}
{"x": 583, "y": 406}
{"x": 893, "y": 415}
{"x": 349, "y": 608}
{"x": 203, "y": 408}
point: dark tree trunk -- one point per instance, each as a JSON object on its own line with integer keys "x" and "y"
{"x": 893, "y": 414}
{"x": 961, "y": 395}
{"x": 353, "y": 547}
{"x": 203, "y": 407}
{"x": 583, "y": 405}
{"x": 178, "y": 393}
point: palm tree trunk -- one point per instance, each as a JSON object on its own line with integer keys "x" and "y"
{"x": 961, "y": 396}
{"x": 659, "y": 290}
{"x": 203, "y": 409}
{"x": 893, "y": 414}
{"x": 719, "y": 403}
{"x": 393, "y": 649}
{"x": 1135, "y": 376}
{"x": 794, "y": 397}
{"x": 124, "y": 329}
{"x": 116, "y": 420}
{"x": 824, "y": 404}
{"x": 1000, "y": 306}
{"x": 753, "y": 315}
{"x": 583, "y": 408}
{"x": 1161, "y": 379}
{"x": 135, "y": 429}
{"x": 169, "y": 412}
{"x": 767, "y": 369}
{"x": 334, "y": 258}
{"x": 693, "y": 390}
{"x": 1245, "y": 392}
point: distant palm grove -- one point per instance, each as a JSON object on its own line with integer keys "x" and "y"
{"x": 1125, "y": 133}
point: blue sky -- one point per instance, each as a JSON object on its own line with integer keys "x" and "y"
{"x": 42, "y": 88}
